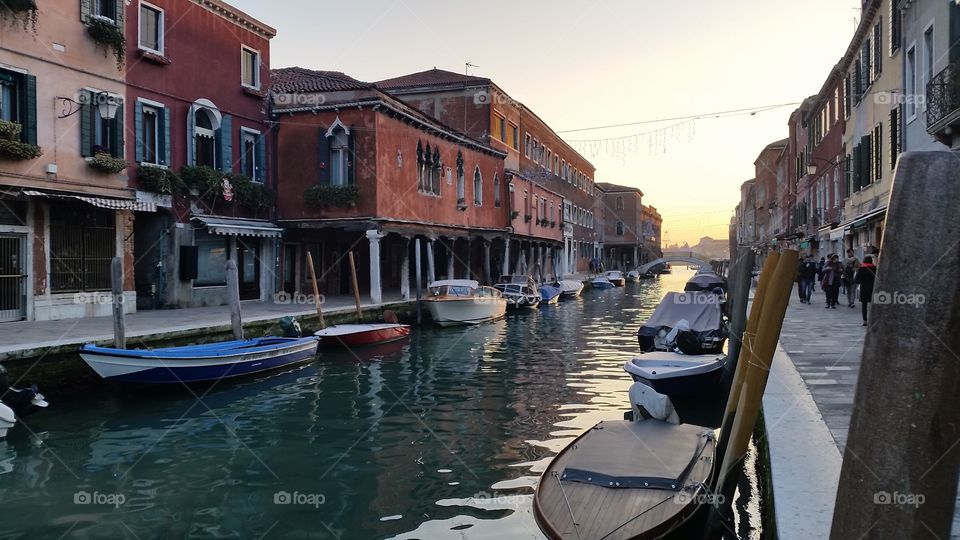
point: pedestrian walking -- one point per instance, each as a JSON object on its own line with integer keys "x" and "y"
{"x": 806, "y": 274}
{"x": 850, "y": 266}
{"x": 830, "y": 280}
{"x": 866, "y": 277}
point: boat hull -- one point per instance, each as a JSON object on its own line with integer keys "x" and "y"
{"x": 156, "y": 367}
{"x": 602, "y": 285}
{"x": 466, "y": 311}
{"x": 683, "y": 386}
{"x": 358, "y": 335}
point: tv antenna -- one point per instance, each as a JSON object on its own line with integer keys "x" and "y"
{"x": 467, "y": 66}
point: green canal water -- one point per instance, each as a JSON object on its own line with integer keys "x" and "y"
{"x": 443, "y": 436}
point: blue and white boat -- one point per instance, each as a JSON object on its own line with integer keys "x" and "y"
{"x": 600, "y": 282}
{"x": 199, "y": 363}
{"x": 549, "y": 295}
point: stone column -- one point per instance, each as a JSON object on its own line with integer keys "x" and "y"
{"x": 405, "y": 268}
{"x": 636, "y": 257}
{"x": 487, "y": 275}
{"x": 506, "y": 256}
{"x": 451, "y": 255}
{"x": 376, "y": 294}
{"x": 431, "y": 276}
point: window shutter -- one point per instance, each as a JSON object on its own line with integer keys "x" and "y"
{"x": 86, "y": 123}
{"x": 29, "y": 119}
{"x": 138, "y": 132}
{"x": 323, "y": 162}
{"x": 225, "y": 141}
{"x": 351, "y": 161}
{"x": 954, "y": 32}
{"x": 165, "y": 139}
{"x": 261, "y": 172}
{"x": 191, "y": 138}
{"x": 118, "y": 133}
{"x": 86, "y": 9}
{"x": 119, "y": 14}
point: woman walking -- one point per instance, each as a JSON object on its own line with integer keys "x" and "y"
{"x": 850, "y": 266}
{"x": 866, "y": 276}
{"x": 830, "y": 281}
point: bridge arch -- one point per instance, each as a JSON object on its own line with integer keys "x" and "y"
{"x": 684, "y": 258}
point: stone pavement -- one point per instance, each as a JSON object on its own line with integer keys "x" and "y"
{"x": 35, "y": 338}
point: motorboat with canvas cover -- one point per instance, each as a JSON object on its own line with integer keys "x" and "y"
{"x": 676, "y": 374}
{"x": 697, "y": 318}
{"x": 569, "y": 288}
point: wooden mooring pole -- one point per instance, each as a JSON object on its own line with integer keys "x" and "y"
{"x": 900, "y": 463}
{"x": 233, "y": 298}
{"x": 356, "y": 288}
{"x": 316, "y": 290}
{"x": 119, "y": 320}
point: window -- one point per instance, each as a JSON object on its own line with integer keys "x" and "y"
{"x": 212, "y": 254}
{"x": 496, "y": 190}
{"x": 18, "y": 102}
{"x": 105, "y": 8}
{"x": 461, "y": 187}
{"x": 82, "y": 246}
{"x": 895, "y": 22}
{"x": 499, "y": 128}
{"x": 477, "y": 187}
{"x": 877, "y": 50}
{"x": 910, "y": 78}
{"x": 429, "y": 168}
{"x": 896, "y": 139}
{"x": 513, "y": 137}
{"x": 152, "y": 130}
{"x": 150, "y": 134}
{"x": 250, "y": 68}
{"x": 619, "y": 228}
{"x": 877, "y": 152}
{"x": 99, "y": 135}
{"x": 249, "y": 162}
{"x": 528, "y": 145}
{"x": 339, "y": 150}
{"x": 928, "y": 60}
{"x": 619, "y": 203}
{"x": 847, "y": 91}
{"x": 205, "y": 138}
{"x": 151, "y": 28}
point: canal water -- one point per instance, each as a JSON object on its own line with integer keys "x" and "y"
{"x": 443, "y": 436}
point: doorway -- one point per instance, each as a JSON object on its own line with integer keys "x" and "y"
{"x": 248, "y": 263}
{"x": 13, "y": 277}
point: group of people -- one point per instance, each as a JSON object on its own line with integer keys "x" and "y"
{"x": 833, "y": 274}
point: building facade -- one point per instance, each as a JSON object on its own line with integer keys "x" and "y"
{"x": 361, "y": 171}
{"x": 651, "y": 225}
{"x": 622, "y": 235}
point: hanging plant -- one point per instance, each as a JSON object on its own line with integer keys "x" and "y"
{"x": 102, "y": 160}
{"x": 159, "y": 180}
{"x": 10, "y": 130}
{"x": 107, "y": 33}
{"x": 514, "y": 214}
{"x": 322, "y": 196}
{"x": 20, "y": 11}
{"x": 19, "y": 151}
{"x": 206, "y": 180}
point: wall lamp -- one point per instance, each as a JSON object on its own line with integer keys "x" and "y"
{"x": 106, "y": 104}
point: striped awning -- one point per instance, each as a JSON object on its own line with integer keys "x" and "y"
{"x": 100, "y": 202}
{"x": 240, "y": 227}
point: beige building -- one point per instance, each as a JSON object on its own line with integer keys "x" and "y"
{"x": 65, "y": 206}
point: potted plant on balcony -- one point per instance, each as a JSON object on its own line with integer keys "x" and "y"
{"x": 12, "y": 147}
{"x": 22, "y": 11}
{"x": 159, "y": 179}
{"x": 323, "y": 196}
{"x": 553, "y": 224}
{"x": 103, "y": 160}
{"x": 527, "y": 218}
{"x": 462, "y": 204}
{"x": 108, "y": 33}
{"x": 514, "y": 214}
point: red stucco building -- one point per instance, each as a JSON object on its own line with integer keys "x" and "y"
{"x": 360, "y": 170}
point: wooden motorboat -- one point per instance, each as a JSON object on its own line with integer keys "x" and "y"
{"x": 464, "y": 301}
{"x": 677, "y": 375}
{"x": 601, "y": 282}
{"x": 633, "y": 276}
{"x": 519, "y": 291}
{"x": 624, "y": 480}
{"x": 569, "y": 288}
{"x": 615, "y": 277}
{"x": 353, "y": 335}
{"x": 198, "y": 363}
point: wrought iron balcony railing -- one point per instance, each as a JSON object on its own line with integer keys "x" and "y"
{"x": 943, "y": 102}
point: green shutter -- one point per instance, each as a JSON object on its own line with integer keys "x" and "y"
{"x": 225, "y": 143}
{"x": 86, "y": 123}
{"x": 165, "y": 138}
{"x": 351, "y": 160}
{"x": 118, "y": 133}
{"x": 261, "y": 172}
{"x": 86, "y": 9}
{"x": 191, "y": 138}
{"x": 29, "y": 117}
{"x": 139, "y": 150}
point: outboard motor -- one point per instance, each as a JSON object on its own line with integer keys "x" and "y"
{"x": 291, "y": 327}
{"x": 7, "y": 420}
{"x": 22, "y": 401}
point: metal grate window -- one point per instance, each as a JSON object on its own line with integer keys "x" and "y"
{"x": 82, "y": 245}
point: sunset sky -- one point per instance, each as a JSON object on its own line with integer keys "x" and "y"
{"x": 583, "y": 64}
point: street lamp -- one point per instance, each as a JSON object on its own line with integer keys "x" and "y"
{"x": 106, "y": 103}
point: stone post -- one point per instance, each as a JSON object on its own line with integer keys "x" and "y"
{"x": 431, "y": 274}
{"x": 451, "y": 255}
{"x": 506, "y": 256}
{"x": 405, "y": 268}
{"x": 487, "y": 275}
{"x": 376, "y": 294}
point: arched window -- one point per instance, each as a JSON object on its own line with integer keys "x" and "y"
{"x": 461, "y": 187}
{"x": 619, "y": 228}
{"x": 205, "y": 137}
{"x": 619, "y": 203}
{"x": 339, "y": 156}
{"x": 496, "y": 190}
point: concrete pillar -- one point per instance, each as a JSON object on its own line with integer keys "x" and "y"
{"x": 405, "y": 268}
{"x": 451, "y": 255}
{"x": 431, "y": 267}
{"x": 376, "y": 293}
{"x": 565, "y": 263}
{"x": 469, "y": 262}
{"x": 487, "y": 276}
{"x": 636, "y": 258}
{"x": 506, "y": 256}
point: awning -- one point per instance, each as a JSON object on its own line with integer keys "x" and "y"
{"x": 100, "y": 202}
{"x": 865, "y": 218}
{"x": 240, "y": 227}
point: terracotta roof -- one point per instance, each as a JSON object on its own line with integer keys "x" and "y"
{"x": 431, "y": 77}
{"x": 297, "y": 79}
{"x": 607, "y": 187}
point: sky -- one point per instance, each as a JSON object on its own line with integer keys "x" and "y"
{"x": 580, "y": 64}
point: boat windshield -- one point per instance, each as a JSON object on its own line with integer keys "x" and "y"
{"x": 488, "y": 292}
{"x": 451, "y": 290}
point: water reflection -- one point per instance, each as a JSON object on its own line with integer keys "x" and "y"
{"x": 443, "y": 436}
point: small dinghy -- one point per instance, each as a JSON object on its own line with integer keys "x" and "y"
{"x": 601, "y": 282}
{"x": 352, "y": 335}
{"x": 199, "y": 363}
{"x": 569, "y": 288}
{"x": 549, "y": 295}
{"x": 677, "y": 375}
{"x": 698, "y": 314}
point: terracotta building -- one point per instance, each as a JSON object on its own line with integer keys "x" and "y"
{"x": 362, "y": 171}
{"x": 622, "y": 236}
{"x": 202, "y": 117}
{"x": 482, "y": 110}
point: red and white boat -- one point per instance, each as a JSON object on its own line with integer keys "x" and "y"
{"x": 353, "y": 335}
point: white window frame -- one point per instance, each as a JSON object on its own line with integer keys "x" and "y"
{"x": 95, "y": 11}
{"x": 249, "y": 132}
{"x": 910, "y": 81}
{"x": 256, "y": 72}
{"x": 157, "y": 111}
{"x": 477, "y": 193}
{"x": 161, "y": 28}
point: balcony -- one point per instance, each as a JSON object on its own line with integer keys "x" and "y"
{"x": 943, "y": 104}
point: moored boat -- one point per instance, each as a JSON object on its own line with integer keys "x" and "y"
{"x": 601, "y": 282}
{"x": 692, "y": 321}
{"x": 464, "y": 301}
{"x": 633, "y": 276}
{"x": 549, "y": 295}
{"x": 7, "y": 420}
{"x": 519, "y": 291}
{"x": 677, "y": 375}
{"x": 198, "y": 363}
{"x": 615, "y": 277}
{"x": 22, "y": 401}
{"x": 353, "y": 335}
{"x": 569, "y": 288}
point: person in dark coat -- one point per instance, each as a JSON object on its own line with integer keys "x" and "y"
{"x": 806, "y": 274}
{"x": 865, "y": 277}
{"x": 830, "y": 280}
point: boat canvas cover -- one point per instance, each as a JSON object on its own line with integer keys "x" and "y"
{"x": 705, "y": 282}
{"x": 647, "y": 455}
{"x": 702, "y": 314}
